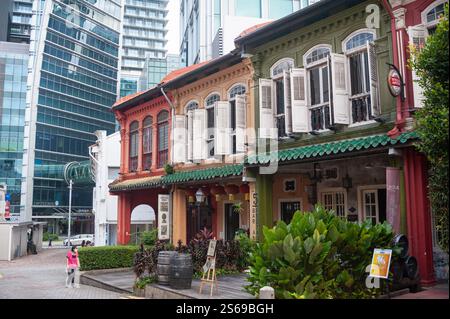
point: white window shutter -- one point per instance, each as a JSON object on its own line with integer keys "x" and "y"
{"x": 199, "y": 134}
{"x": 179, "y": 135}
{"x": 300, "y": 115}
{"x": 417, "y": 37}
{"x": 266, "y": 109}
{"x": 287, "y": 102}
{"x": 241, "y": 121}
{"x": 339, "y": 89}
{"x": 222, "y": 145}
{"x": 190, "y": 123}
{"x": 373, "y": 78}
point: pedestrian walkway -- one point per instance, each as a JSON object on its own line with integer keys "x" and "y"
{"x": 439, "y": 291}
{"x": 42, "y": 276}
{"x": 229, "y": 286}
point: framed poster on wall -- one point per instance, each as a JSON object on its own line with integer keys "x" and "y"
{"x": 163, "y": 217}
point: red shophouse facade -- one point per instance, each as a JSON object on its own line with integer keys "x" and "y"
{"x": 145, "y": 149}
{"x": 412, "y": 22}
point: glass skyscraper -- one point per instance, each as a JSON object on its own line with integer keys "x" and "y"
{"x": 155, "y": 69}
{"x": 13, "y": 90}
{"x": 144, "y": 35}
{"x": 74, "y": 52}
{"x": 20, "y": 21}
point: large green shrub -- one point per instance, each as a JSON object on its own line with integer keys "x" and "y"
{"x": 47, "y": 236}
{"x": 149, "y": 237}
{"x": 106, "y": 257}
{"x": 432, "y": 65}
{"x": 318, "y": 255}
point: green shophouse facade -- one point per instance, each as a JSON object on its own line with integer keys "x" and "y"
{"x": 321, "y": 95}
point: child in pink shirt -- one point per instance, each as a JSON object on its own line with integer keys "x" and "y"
{"x": 72, "y": 265}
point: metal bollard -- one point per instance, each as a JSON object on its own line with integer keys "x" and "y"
{"x": 266, "y": 292}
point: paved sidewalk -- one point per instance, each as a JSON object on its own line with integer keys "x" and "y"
{"x": 42, "y": 276}
{"x": 439, "y": 291}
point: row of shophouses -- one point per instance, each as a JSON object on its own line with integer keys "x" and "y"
{"x": 316, "y": 107}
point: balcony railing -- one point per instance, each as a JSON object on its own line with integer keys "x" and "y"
{"x": 361, "y": 108}
{"x": 320, "y": 117}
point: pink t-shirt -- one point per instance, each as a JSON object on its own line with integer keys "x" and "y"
{"x": 72, "y": 259}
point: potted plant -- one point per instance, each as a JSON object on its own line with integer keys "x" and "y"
{"x": 168, "y": 169}
{"x": 238, "y": 208}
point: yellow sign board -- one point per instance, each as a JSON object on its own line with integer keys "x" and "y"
{"x": 381, "y": 262}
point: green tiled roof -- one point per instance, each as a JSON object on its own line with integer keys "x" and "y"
{"x": 178, "y": 177}
{"x": 342, "y": 146}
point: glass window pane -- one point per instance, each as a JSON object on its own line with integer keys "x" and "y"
{"x": 248, "y": 8}
{"x": 280, "y": 8}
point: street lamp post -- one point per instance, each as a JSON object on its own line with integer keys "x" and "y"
{"x": 70, "y": 211}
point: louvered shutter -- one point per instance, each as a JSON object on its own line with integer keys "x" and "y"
{"x": 199, "y": 134}
{"x": 300, "y": 116}
{"x": 417, "y": 37}
{"x": 222, "y": 145}
{"x": 373, "y": 78}
{"x": 190, "y": 123}
{"x": 266, "y": 109}
{"x": 287, "y": 102}
{"x": 179, "y": 135}
{"x": 241, "y": 120}
{"x": 339, "y": 92}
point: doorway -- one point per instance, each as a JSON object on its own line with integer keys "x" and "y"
{"x": 198, "y": 218}
{"x": 231, "y": 222}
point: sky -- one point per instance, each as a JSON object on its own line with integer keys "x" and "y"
{"x": 173, "y": 34}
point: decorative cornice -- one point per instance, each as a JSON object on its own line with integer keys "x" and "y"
{"x": 399, "y": 15}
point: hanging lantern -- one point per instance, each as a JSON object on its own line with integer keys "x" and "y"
{"x": 217, "y": 191}
{"x": 191, "y": 195}
{"x": 231, "y": 191}
{"x": 245, "y": 189}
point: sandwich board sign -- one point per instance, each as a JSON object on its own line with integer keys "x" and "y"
{"x": 381, "y": 262}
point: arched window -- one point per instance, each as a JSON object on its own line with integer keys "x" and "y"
{"x": 191, "y": 106}
{"x": 163, "y": 138}
{"x": 360, "y": 59}
{"x": 209, "y": 105}
{"x": 317, "y": 54}
{"x": 134, "y": 146}
{"x": 280, "y": 76}
{"x": 236, "y": 90}
{"x": 280, "y": 66}
{"x": 147, "y": 143}
{"x": 432, "y": 14}
{"x": 316, "y": 64}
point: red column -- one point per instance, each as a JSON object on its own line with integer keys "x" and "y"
{"x": 123, "y": 220}
{"x": 418, "y": 214}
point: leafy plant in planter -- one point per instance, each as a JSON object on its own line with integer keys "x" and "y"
{"x": 238, "y": 208}
{"x": 318, "y": 255}
{"x": 168, "y": 169}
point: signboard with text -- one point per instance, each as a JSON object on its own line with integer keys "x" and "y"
{"x": 163, "y": 217}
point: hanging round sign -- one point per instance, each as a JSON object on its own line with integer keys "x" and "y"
{"x": 394, "y": 82}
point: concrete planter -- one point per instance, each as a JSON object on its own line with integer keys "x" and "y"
{"x": 139, "y": 292}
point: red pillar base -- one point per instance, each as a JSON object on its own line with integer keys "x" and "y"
{"x": 418, "y": 214}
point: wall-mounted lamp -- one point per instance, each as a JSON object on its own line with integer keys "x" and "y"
{"x": 199, "y": 196}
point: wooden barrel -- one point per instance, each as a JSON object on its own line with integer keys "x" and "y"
{"x": 181, "y": 272}
{"x": 401, "y": 241}
{"x": 411, "y": 269}
{"x": 164, "y": 266}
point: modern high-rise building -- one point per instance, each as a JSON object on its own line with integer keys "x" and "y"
{"x": 208, "y": 27}
{"x": 73, "y": 82}
{"x": 13, "y": 90}
{"x": 144, "y": 35}
{"x": 155, "y": 69}
{"x": 20, "y": 21}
